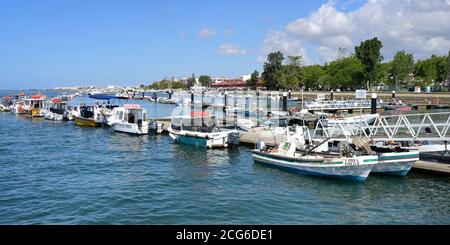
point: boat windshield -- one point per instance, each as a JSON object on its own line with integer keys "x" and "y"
{"x": 136, "y": 116}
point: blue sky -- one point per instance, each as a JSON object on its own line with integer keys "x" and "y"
{"x": 45, "y": 44}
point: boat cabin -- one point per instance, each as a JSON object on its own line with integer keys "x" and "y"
{"x": 197, "y": 122}
{"x": 58, "y": 106}
{"x": 130, "y": 113}
{"x": 87, "y": 111}
{"x": 287, "y": 148}
{"x": 35, "y": 102}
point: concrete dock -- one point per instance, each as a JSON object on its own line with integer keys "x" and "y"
{"x": 432, "y": 167}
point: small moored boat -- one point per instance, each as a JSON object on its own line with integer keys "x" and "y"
{"x": 90, "y": 115}
{"x": 129, "y": 118}
{"x": 394, "y": 161}
{"x": 5, "y": 106}
{"x": 200, "y": 130}
{"x": 57, "y": 110}
{"x": 34, "y": 105}
{"x": 286, "y": 157}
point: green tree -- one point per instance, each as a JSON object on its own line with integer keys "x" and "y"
{"x": 287, "y": 77}
{"x": 191, "y": 81}
{"x": 204, "y": 80}
{"x": 448, "y": 71}
{"x": 295, "y": 60}
{"x": 368, "y": 52}
{"x": 253, "y": 80}
{"x": 271, "y": 67}
{"x": 311, "y": 75}
{"x": 345, "y": 73}
{"x": 383, "y": 73}
{"x": 324, "y": 81}
{"x": 425, "y": 71}
{"x": 441, "y": 68}
{"x": 402, "y": 66}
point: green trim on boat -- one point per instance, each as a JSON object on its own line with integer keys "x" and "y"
{"x": 398, "y": 156}
{"x": 371, "y": 160}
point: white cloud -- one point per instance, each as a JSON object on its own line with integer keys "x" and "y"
{"x": 231, "y": 49}
{"x": 229, "y": 32}
{"x": 326, "y": 22}
{"x": 281, "y": 41}
{"x": 418, "y": 26}
{"x": 206, "y": 32}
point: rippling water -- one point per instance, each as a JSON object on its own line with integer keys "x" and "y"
{"x": 58, "y": 173}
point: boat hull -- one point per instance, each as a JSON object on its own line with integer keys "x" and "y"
{"x": 130, "y": 128}
{"x": 335, "y": 168}
{"x": 85, "y": 122}
{"x": 187, "y": 140}
{"x": 396, "y": 163}
{"x": 209, "y": 140}
{"x": 34, "y": 113}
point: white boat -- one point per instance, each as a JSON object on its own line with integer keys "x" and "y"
{"x": 394, "y": 161}
{"x": 57, "y": 110}
{"x": 34, "y": 105}
{"x": 18, "y": 105}
{"x": 245, "y": 124}
{"x": 5, "y": 106}
{"x": 286, "y": 157}
{"x": 91, "y": 115}
{"x": 352, "y": 120}
{"x": 200, "y": 130}
{"x": 129, "y": 118}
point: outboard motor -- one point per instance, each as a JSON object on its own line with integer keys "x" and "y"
{"x": 233, "y": 138}
{"x": 260, "y": 145}
{"x": 152, "y": 127}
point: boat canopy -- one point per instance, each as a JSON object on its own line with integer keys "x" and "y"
{"x": 103, "y": 96}
{"x": 37, "y": 97}
{"x": 56, "y": 100}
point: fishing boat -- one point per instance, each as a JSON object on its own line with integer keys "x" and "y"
{"x": 394, "y": 160}
{"x": 129, "y": 118}
{"x": 57, "y": 110}
{"x": 34, "y": 105}
{"x": 352, "y": 166}
{"x": 397, "y": 106}
{"x": 90, "y": 115}
{"x": 199, "y": 129}
{"x": 18, "y": 104}
{"x": 5, "y": 106}
{"x": 352, "y": 120}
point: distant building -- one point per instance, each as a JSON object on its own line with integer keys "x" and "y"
{"x": 240, "y": 82}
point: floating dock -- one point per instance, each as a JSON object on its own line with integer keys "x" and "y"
{"x": 432, "y": 167}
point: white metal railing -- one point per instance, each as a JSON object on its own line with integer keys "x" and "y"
{"x": 407, "y": 127}
{"x": 338, "y": 104}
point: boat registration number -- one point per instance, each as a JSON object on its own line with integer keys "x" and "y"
{"x": 351, "y": 162}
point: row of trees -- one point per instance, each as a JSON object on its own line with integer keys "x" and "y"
{"x": 173, "y": 83}
{"x": 363, "y": 69}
